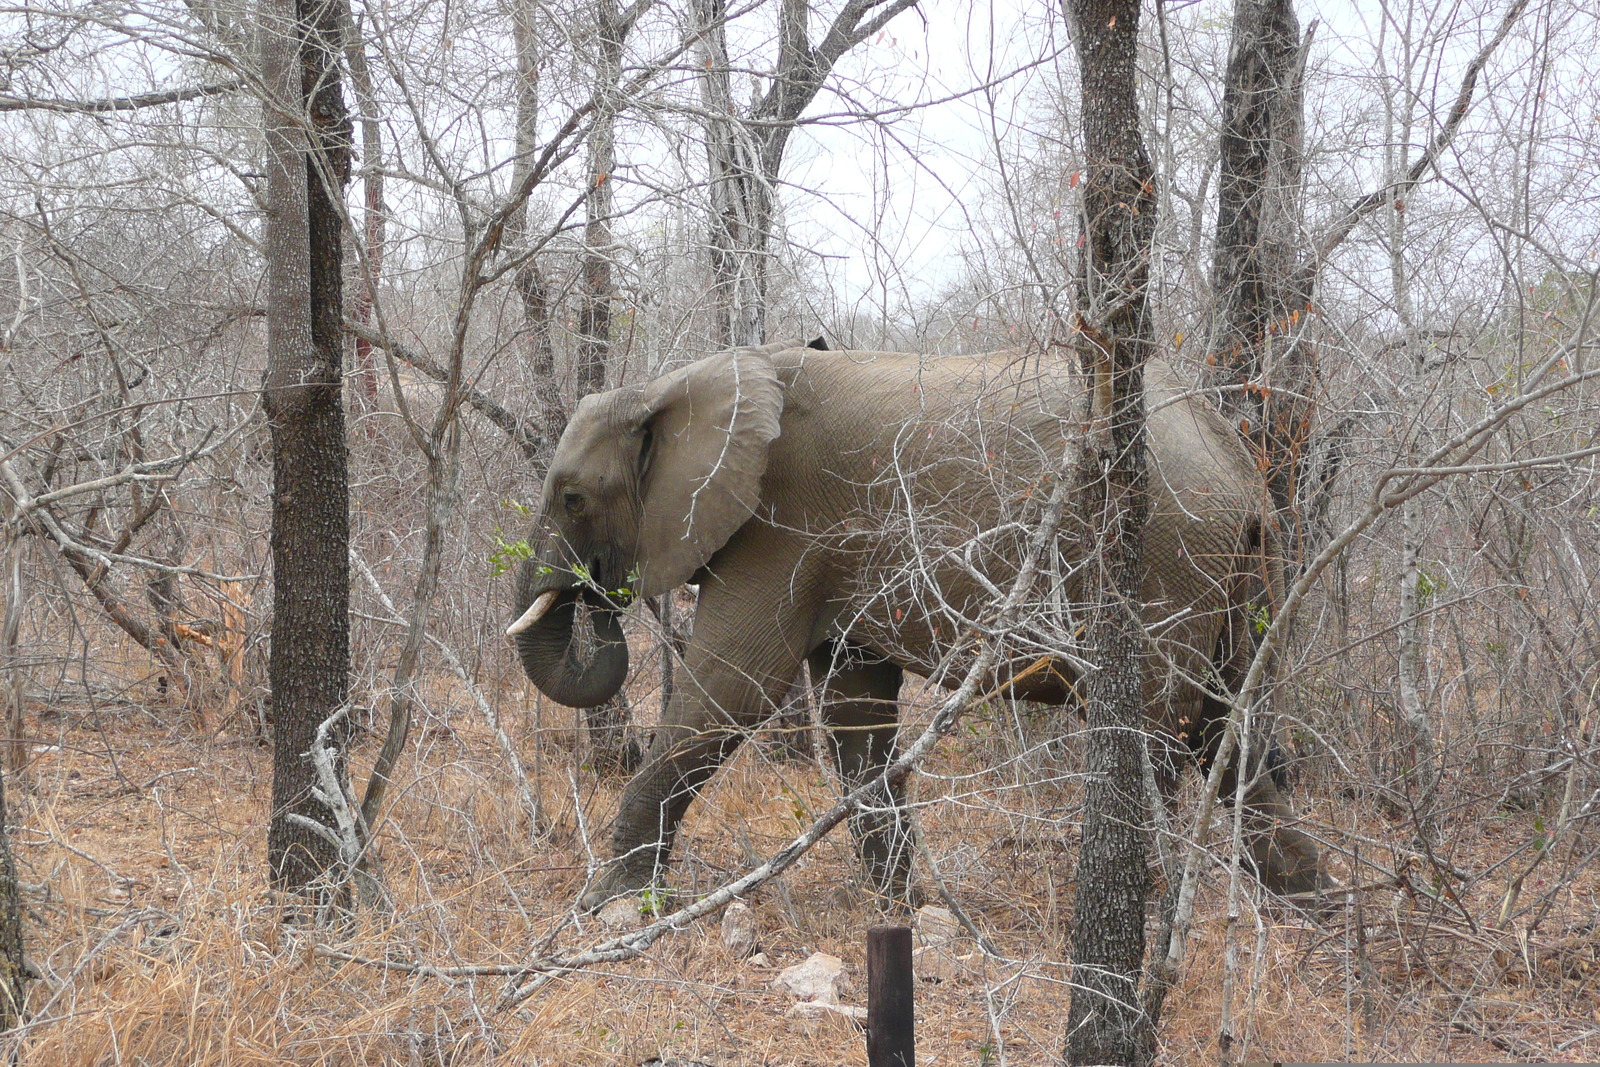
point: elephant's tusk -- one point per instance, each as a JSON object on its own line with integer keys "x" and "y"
{"x": 534, "y": 613}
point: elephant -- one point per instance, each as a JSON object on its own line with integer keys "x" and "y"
{"x": 861, "y": 511}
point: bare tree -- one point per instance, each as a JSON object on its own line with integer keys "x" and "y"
{"x": 308, "y": 145}
{"x": 745, "y": 146}
{"x": 1257, "y": 352}
{"x": 1106, "y": 1022}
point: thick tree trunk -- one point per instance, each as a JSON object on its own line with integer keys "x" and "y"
{"x": 309, "y": 668}
{"x": 1257, "y": 354}
{"x": 1106, "y": 1023}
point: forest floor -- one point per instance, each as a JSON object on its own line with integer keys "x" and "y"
{"x": 142, "y": 852}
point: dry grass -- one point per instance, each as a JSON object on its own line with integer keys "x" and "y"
{"x": 160, "y": 943}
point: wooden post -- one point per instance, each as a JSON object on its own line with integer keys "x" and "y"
{"x": 891, "y": 1032}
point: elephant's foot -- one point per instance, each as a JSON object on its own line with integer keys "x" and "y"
{"x": 617, "y": 878}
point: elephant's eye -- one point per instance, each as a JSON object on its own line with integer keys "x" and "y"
{"x": 572, "y": 500}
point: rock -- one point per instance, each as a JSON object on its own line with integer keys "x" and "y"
{"x": 932, "y": 964}
{"x": 939, "y": 935}
{"x": 738, "y": 930}
{"x": 760, "y": 959}
{"x": 819, "y": 979}
{"x": 620, "y": 912}
{"x": 816, "y": 1009}
{"x": 937, "y": 926}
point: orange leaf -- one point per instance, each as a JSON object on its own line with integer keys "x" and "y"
{"x": 1072, "y": 182}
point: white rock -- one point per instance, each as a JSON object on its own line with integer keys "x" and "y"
{"x": 619, "y": 912}
{"x": 939, "y": 936}
{"x": 738, "y": 930}
{"x": 820, "y": 979}
{"x": 937, "y": 926}
{"x": 938, "y": 964}
{"x": 817, "y": 1009}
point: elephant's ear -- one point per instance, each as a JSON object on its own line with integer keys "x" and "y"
{"x": 706, "y": 430}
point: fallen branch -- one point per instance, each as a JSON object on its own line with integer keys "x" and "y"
{"x": 345, "y": 835}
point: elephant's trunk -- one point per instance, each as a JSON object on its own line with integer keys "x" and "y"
{"x": 581, "y": 667}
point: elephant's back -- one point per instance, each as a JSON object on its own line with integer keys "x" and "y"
{"x": 973, "y": 432}
{"x": 917, "y": 481}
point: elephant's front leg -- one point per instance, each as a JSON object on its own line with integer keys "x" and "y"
{"x": 685, "y": 751}
{"x": 860, "y": 709}
{"x": 745, "y": 650}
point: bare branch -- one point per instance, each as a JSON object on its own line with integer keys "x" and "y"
{"x": 119, "y": 103}
{"x": 1325, "y": 245}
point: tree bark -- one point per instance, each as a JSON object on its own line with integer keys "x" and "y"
{"x": 1257, "y": 355}
{"x": 13, "y": 968}
{"x": 375, "y": 213}
{"x": 740, "y": 204}
{"x": 538, "y": 346}
{"x": 1105, "y": 1022}
{"x": 13, "y": 679}
{"x": 598, "y": 291}
{"x": 308, "y": 138}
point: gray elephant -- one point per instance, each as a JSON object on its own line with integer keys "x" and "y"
{"x": 862, "y": 511}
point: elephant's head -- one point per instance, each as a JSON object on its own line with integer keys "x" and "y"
{"x": 647, "y": 482}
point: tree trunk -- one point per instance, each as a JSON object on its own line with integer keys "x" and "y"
{"x": 1105, "y": 1023}
{"x": 740, "y": 213}
{"x": 1418, "y": 767}
{"x": 374, "y": 218}
{"x": 538, "y": 346}
{"x": 745, "y": 155}
{"x": 607, "y": 723}
{"x": 310, "y": 661}
{"x": 13, "y": 969}
{"x": 598, "y": 290}
{"x": 1257, "y": 355}
{"x": 13, "y": 679}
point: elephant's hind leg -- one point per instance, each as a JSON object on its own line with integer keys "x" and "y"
{"x": 1285, "y": 859}
{"x": 859, "y": 694}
